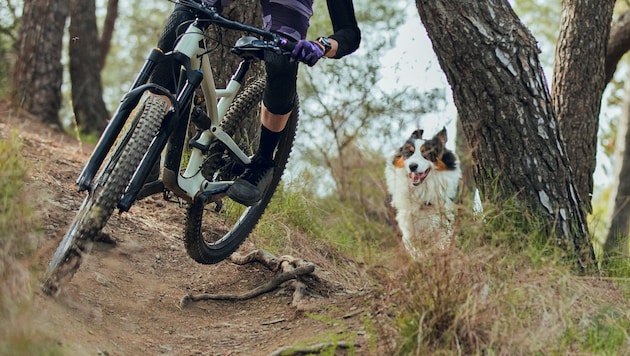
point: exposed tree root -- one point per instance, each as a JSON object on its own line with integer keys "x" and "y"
{"x": 288, "y": 267}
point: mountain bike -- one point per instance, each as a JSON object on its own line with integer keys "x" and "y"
{"x": 197, "y": 168}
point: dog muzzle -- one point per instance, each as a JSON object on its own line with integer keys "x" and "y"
{"x": 418, "y": 178}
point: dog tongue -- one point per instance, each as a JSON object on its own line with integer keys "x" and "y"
{"x": 417, "y": 178}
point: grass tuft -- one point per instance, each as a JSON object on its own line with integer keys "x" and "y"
{"x": 18, "y": 240}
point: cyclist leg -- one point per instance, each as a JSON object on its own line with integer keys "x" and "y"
{"x": 278, "y": 98}
{"x": 290, "y": 19}
{"x": 277, "y": 104}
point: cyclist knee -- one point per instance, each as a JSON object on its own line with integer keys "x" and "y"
{"x": 279, "y": 94}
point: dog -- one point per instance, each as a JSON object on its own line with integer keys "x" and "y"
{"x": 423, "y": 179}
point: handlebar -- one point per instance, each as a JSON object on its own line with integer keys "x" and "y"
{"x": 211, "y": 15}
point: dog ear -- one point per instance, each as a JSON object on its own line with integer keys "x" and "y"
{"x": 442, "y": 135}
{"x": 416, "y": 135}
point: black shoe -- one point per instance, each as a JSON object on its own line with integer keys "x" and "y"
{"x": 250, "y": 186}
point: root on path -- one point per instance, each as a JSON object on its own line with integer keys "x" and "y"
{"x": 286, "y": 267}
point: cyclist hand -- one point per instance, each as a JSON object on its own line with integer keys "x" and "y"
{"x": 307, "y": 52}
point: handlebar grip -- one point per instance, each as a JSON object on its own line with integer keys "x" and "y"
{"x": 287, "y": 45}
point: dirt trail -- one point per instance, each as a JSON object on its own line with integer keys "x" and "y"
{"x": 124, "y": 299}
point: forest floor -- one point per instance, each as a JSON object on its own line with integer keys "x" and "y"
{"x": 125, "y": 298}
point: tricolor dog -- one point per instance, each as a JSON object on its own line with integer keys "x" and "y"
{"x": 423, "y": 178}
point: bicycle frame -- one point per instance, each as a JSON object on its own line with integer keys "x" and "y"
{"x": 191, "y": 54}
{"x": 191, "y": 182}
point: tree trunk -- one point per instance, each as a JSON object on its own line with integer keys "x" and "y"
{"x": 491, "y": 62}
{"x": 465, "y": 159}
{"x": 618, "y": 44}
{"x": 578, "y": 84}
{"x": 38, "y": 72}
{"x": 85, "y": 71}
{"x": 108, "y": 31}
{"x": 225, "y": 63}
{"x": 619, "y": 201}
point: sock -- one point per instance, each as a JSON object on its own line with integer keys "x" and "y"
{"x": 268, "y": 142}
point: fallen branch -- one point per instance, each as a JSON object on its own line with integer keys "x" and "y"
{"x": 289, "y": 267}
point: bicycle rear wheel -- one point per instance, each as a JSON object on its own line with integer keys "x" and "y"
{"x": 224, "y": 235}
{"x": 109, "y": 185}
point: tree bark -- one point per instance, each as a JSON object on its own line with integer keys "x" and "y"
{"x": 465, "y": 160}
{"x": 108, "y": 31}
{"x": 618, "y": 44}
{"x": 616, "y": 241}
{"x": 619, "y": 203}
{"x": 225, "y": 63}
{"x": 491, "y": 62}
{"x": 38, "y": 72}
{"x": 578, "y": 84}
{"x": 85, "y": 72}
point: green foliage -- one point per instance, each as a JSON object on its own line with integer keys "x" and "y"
{"x": 617, "y": 266}
{"x": 9, "y": 20}
{"x": 333, "y": 227}
{"x": 605, "y": 333}
{"x": 335, "y": 333}
{"x": 15, "y": 216}
{"x": 29, "y": 344}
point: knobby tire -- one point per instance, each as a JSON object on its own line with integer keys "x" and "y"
{"x": 109, "y": 186}
{"x": 206, "y": 252}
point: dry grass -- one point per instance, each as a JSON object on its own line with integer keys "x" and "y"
{"x": 15, "y": 224}
{"x": 495, "y": 292}
{"x": 18, "y": 238}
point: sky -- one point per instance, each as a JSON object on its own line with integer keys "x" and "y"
{"x": 412, "y": 62}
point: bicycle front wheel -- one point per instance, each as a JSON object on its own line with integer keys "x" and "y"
{"x": 109, "y": 185}
{"x": 226, "y": 228}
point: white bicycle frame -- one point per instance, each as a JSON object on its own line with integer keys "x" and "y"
{"x": 191, "y": 182}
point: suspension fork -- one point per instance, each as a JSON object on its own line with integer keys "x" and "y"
{"x": 173, "y": 130}
{"x": 113, "y": 128}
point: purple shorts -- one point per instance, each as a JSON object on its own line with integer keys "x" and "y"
{"x": 289, "y": 17}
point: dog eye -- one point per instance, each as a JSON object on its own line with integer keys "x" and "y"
{"x": 431, "y": 155}
{"x": 407, "y": 150}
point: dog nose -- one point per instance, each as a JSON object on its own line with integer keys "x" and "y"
{"x": 413, "y": 167}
